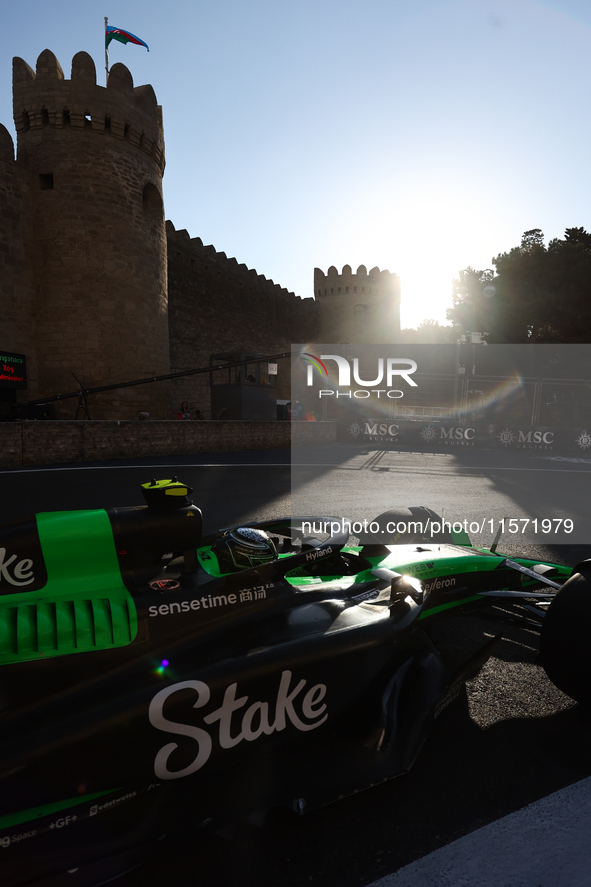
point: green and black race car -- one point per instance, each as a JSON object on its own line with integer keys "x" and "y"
{"x": 155, "y": 681}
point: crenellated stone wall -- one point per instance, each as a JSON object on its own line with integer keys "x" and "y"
{"x": 94, "y": 283}
{"x": 217, "y": 305}
{"x": 357, "y": 308}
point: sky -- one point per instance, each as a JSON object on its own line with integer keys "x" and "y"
{"x": 421, "y": 136}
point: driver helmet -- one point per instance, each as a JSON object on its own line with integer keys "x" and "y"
{"x": 243, "y": 548}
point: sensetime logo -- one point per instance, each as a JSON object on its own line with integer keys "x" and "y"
{"x": 387, "y": 370}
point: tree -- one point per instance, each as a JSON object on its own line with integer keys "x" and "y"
{"x": 542, "y": 294}
{"x": 428, "y": 332}
{"x": 472, "y": 310}
{"x": 578, "y": 235}
{"x": 532, "y": 240}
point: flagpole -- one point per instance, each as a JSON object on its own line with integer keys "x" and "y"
{"x": 106, "y": 52}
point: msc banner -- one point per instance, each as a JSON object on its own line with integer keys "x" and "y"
{"x": 433, "y": 435}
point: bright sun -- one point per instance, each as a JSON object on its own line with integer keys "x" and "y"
{"x": 426, "y": 232}
{"x": 430, "y": 231}
{"x": 436, "y": 236}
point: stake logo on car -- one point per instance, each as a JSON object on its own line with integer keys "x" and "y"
{"x": 20, "y": 574}
{"x": 303, "y": 712}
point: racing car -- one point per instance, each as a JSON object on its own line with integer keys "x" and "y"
{"x": 156, "y": 679}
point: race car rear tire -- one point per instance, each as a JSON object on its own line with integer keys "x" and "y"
{"x": 564, "y": 641}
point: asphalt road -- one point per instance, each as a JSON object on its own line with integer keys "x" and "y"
{"x": 546, "y": 494}
{"x": 515, "y": 740}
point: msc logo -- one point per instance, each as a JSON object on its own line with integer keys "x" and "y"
{"x": 535, "y": 437}
{"x": 373, "y": 429}
{"x": 546, "y": 437}
{"x": 381, "y": 429}
{"x": 458, "y": 433}
{"x": 455, "y": 435}
{"x": 527, "y": 439}
{"x": 506, "y": 437}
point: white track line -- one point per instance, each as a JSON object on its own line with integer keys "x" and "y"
{"x": 163, "y": 465}
{"x": 463, "y": 470}
{"x": 542, "y": 845}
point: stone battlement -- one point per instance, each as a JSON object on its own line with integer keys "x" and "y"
{"x": 332, "y": 283}
{"x": 45, "y": 99}
{"x": 361, "y": 307}
{"x": 192, "y": 249}
{"x": 217, "y": 305}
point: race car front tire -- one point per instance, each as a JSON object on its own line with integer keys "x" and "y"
{"x": 564, "y": 641}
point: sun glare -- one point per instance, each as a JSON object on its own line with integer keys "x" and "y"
{"x": 437, "y": 233}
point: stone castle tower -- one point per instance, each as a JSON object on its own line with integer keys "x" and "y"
{"x": 92, "y": 281}
{"x": 83, "y": 258}
{"x": 357, "y": 308}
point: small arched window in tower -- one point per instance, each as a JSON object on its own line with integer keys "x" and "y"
{"x": 126, "y": 129}
{"x": 44, "y": 117}
{"x": 87, "y": 121}
{"x": 26, "y": 122}
{"x": 354, "y": 289}
{"x": 346, "y": 290}
{"x": 332, "y": 290}
{"x": 66, "y": 117}
{"x": 46, "y": 181}
{"x": 108, "y": 125}
{"x": 339, "y": 291}
{"x": 152, "y": 200}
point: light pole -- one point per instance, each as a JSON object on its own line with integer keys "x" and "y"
{"x": 470, "y": 337}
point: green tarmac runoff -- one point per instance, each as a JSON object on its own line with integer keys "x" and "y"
{"x": 543, "y": 845}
